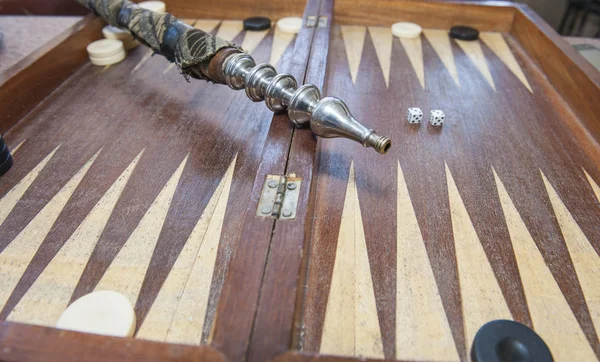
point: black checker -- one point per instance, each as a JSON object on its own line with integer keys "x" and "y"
{"x": 463, "y": 32}
{"x": 508, "y": 341}
{"x": 257, "y": 23}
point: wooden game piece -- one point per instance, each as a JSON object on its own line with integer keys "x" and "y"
{"x": 290, "y": 25}
{"x": 156, "y": 6}
{"x": 113, "y": 59}
{"x": 406, "y": 30}
{"x": 105, "y": 48}
{"x": 257, "y": 23}
{"x": 505, "y": 340}
{"x": 462, "y": 32}
{"x": 104, "y": 312}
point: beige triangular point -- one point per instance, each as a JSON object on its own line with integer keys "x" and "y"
{"x": 422, "y": 329}
{"x": 382, "y": 40}
{"x": 168, "y": 68}
{"x": 482, "y": 299}
{"x": 281, "y": 41}
{"x": 414, "y": 51}
{"x": 550, "y": 313}
{"x": 440, "y": 41}
{"x": 473, "y": 50}
{"x": 585, "y": 259}
{"x": 16, "y": 148}
{"x": 354, "y": 40}
{"x": 127, "y": 271}
{"x": 55, "y": 285}
{"x": 252, "y": 39}
{"x": 8, "y": 202}
{"x": 594, "y": 185}
{"x": 18, "y": 254}
{"x": 497, "y": 43}
{"x": 229, "y": 29}
{"x": 178, "y": 313}
{"x": 351, "y": 325}
{"x": 143, "y": 61}
{"x": 206, "y": 25}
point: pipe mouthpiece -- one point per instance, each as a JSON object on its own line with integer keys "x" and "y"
{"x": 381, "y": 144}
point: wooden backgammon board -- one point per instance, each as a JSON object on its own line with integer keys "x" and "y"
{"x": 131, "y": 179}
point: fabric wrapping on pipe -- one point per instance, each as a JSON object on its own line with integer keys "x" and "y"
{"x": 180, "y": 43}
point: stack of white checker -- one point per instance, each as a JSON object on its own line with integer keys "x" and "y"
{"x": 117, "y": 42}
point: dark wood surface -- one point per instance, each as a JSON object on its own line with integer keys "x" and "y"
{"x": 271, "y": 281}
{"x": 28, "y": 82}
{"x": 33, "y": 343}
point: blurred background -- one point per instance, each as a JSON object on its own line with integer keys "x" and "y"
{"x": 577, "y": 20}
{"x": 570, "y": 17}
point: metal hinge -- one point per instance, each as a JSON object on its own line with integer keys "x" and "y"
{"x": 311, "y": 21}
{"x": 279, "y": 197}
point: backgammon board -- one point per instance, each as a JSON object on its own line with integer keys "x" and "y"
{"x": 129, "y": 178}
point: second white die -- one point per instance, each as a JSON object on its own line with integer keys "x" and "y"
{"x": 414, "y": 115}
{"x": 436, "y": 117}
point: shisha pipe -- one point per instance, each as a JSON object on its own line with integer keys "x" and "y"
{"x": 203, "y": 56}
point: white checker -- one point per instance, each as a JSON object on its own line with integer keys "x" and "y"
{"x": 113, "y": 59}
{"x": 156, "y": 6}
{"x": 290, "y": 25}
{"x": 112, "y": 32}
{"x": 105, "y": 48}
{"x": 406, "y": 30}
{"x": 105, "y": 312}
{"x": 436, "y": 117}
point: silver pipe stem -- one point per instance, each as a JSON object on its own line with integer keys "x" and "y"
{"x": 328, "y": 117}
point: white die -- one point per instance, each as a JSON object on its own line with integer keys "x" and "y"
{"x": 436, "y": 117}
{"x": 414, "y": 115}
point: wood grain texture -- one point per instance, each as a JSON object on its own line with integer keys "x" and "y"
{"x": 482, "y": 299}
{"x": 510, "y": 129}
{"x": 17, "y": 38}
{"x": 551, "y": 315}
{"x": 422, "y": 329}
{"x": 382, "y": 40}
{"x": 56, "y": 283}
{"x": 262, "y": 276}
{"x": 32, "y": 343}
{"x": 579, "y": 87}
{"x": 187, "y": 121}
{"x": 497, "y": 43}
{"x": 351, "y": 326}
{"x": 32, "y": 70}
{"x": 178, "y": 313}
{"x": 283, "y": 286}
{"x": 41, "y": 7}
{"x": 235, "y": 9}
{"x": 440, "y": 41}
{"x": 414, "y": 50}
{"x": 16, "y": 256}
{"x": 271, "y": 281}
{"x": 485, "y": 16}
{"x": 472, "y": 49}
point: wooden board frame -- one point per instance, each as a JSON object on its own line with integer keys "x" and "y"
{"x": 283, "y": 258}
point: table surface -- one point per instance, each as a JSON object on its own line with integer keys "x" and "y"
{"x": 15, "y": 28}
{"x": 498, "y": 207}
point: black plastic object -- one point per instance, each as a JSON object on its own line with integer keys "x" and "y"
{"x": 462, "y": 32}
{"x": 6, "y": 160}
{"x": 508, "y": 341}
{"x": 257, "y": 23}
